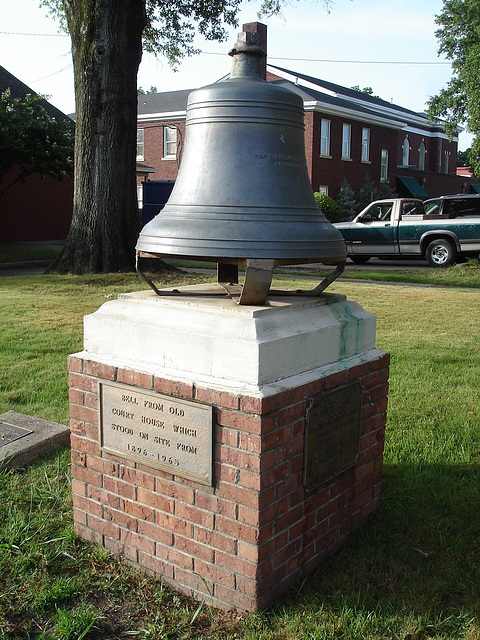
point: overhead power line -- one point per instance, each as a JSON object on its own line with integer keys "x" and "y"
{"x": 51, "y": 74}
{"x": 210, "y": 53}
{"x": 42, "y": 35}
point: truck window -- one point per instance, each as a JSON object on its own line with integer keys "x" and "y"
{"x": 432, "y": 207}
{"x": 378, "y": 212}
{"x": 466, "y": 207}
{"x": 411, "y": 209}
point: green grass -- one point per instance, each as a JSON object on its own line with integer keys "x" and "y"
{"x": 411, "y": 573}
{"x": 466, "y": 274}
{"x": 42, "y": 318}
{"x": 20, "y": 252}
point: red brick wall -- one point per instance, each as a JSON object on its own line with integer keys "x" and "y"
{"x": 167, "y": 169}
{"x": 37, "y": 209}
{"x": 257, "y": 531}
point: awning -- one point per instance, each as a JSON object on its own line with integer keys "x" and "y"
{"x": 413, "y": 187}
{"x": 475, "y": 188}
{"x": 145, "y": 169}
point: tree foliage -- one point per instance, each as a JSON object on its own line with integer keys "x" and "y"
{"x": 367, "y": 90}
{"x": 459, "y": 101}
{"x": 143, "y": 92}
{"x": 463, "y": 158}
{"x": 367, "y": 193}
{"x": 31, "y": 141}
{"x": 346, "y": 200}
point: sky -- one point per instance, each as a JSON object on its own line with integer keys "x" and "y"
{"x": 388, "y": 46}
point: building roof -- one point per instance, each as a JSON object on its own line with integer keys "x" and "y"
{"x": 18, "y": 89}
{"x": 357, "y": 104}
{"x": 169, "y": 102}
{"x": 348, "y": 94}
{"x": 317, "y": 94}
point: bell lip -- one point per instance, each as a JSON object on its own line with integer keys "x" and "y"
{"x": 331, "y": 260}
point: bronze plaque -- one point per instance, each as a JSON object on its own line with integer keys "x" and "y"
{"x": 157, "y": 430}
{"x": 332, "y": 434}
{"x": 9, "y": 433}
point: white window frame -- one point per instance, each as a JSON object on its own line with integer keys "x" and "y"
{"x": 384, "y": 165}
{"x": 323, "y": 188}
{"x": 346, "y": 141}
{"x": 405, "y": 152}
{"x": 140, "y": 144}
{"x": 365, "y": 144}
{"x": 325, "y": 128}
{"x": 422, "y": 155}
{"x": 169, "y": 143}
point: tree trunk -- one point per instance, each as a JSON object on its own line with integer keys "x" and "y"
{"x": 106, "y": 50}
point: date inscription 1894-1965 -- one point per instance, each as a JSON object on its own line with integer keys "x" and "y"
{"x": 157, "y": 430}
{"x": 332, "y": 433}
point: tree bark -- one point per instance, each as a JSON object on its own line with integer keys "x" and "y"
{"x": 106, "y": 49}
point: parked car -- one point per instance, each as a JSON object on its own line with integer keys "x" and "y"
{"x": 453, "y": 206}
{"x": 399, "y": 227}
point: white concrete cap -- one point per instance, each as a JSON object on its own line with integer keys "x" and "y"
{"x": 202, "y": 338}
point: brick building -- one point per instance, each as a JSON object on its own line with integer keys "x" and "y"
{"x": 348, "y": 135}
{"x": 38, "y": 208}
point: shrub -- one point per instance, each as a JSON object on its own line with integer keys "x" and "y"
{"x": 367, "y": 193}
{"x": 346, "y": 199}
{"x": 330, "y": 209}
{"x": 385, "y": 191}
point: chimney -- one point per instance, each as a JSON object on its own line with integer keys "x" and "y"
{"x": 261, "y": 30}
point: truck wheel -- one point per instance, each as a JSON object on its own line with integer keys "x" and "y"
{"x": 440, "y": 253}
{"x": 360, "y": 259}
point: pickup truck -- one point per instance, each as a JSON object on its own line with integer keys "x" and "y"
{"x": 399, "y": 227}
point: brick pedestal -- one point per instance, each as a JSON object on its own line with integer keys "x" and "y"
{"x": 245, "y": 540}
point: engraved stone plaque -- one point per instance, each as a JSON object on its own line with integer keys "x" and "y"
{"x": 9, "y": 433}
{"x": 157, "y": 430}
{"x": 332, "y": 433}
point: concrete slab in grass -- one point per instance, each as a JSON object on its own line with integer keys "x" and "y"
{"x": 24, "y": 438}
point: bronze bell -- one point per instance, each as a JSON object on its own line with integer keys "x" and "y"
{"x": 243, "y": 195}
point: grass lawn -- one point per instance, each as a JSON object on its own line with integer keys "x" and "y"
{"x": 25, "y": 251}
{"x": 411, "y": 573}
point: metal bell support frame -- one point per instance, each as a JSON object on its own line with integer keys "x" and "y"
{"x": 243, "y": 195}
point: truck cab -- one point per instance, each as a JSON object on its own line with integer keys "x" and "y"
{"x": 374, "y": 231}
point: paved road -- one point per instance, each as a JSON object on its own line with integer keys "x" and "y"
{"x": 387, "y": 265}
{"x": 377, "y": 265}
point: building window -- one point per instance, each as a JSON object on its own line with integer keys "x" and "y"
{"x": 422, "y": 152}
{"x": 169, "y": 142}
{"x": 406, "y": 153}
{"x": 140, "y": 144}
{"x": 325, "y": 138}
{"x": 346, "y": 139}
{"x": 323, "y": 188}
{"x": 447, "y": 161}
{"x": 384, "y": 166}
{"x": 365, "y": 145}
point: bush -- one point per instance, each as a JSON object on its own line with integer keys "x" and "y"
{"x": 346, "y": 199}
{"x": 330, "y": 209}
{"x": 367, "y": 193}
{"x": 385, "y": 191}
